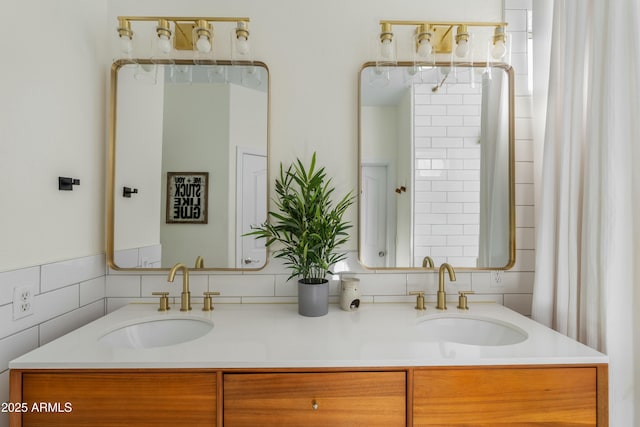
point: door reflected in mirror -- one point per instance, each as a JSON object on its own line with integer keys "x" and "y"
{"x": 193, "y": 140}
{"x": 436, "y": 166}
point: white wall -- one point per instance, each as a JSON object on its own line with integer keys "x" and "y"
{"x": 52, "y": 123}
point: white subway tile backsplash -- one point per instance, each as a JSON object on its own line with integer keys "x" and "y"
{"x": 518, "y": 41}
{"x": 525, "y": 238}
{"x": 16, "y": 345}
{"x": 463, "y": 110}
{"x": 524, "y": 173}
{"x": 243, "y": 286}
{"x": 92, "y": 290}
{"x": 524, "y": 150}
{"x": 525, "y": 195}
{"x": 523, "y": 107}
{"x": 198, "y": 284}
{"x": 519, "y": 302}
{"x": 45, "y": 307}
{"x": 67, "y": 322}
{"x": 525, "y": 216}
{"x": 525, "y": 260}
{"x": 11, "y": 279}
{"x": 127, "y": 258}
{"x": 123, "y": 286}
{"x": 524, "y": 126}
{"x": 383, "y": 284}
{"x": 517, "y": 19}
{"x": 64, "y": 273}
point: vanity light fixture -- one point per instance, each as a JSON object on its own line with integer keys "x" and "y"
{"x": 423, "y": 41}
{"x": 203, "y": 36}
{"x": 163, "y": 39}
{"x": 462, "y": 41}
{"x": 125, "y": 35}
{"x": 242, "y": 38}
{"x": 431, "y": 38}
{"x": 387, "y": 45}
{"x": 173, "y": 36}
{"x": 499, "y": 43}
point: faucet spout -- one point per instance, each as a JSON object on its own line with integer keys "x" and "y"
{"x": 199, "y": 262}
{"x": 185, "y": 298}
{"x": 442, "y": 295}
{"x": 427, "y": 262}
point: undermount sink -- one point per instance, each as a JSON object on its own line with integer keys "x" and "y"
{"x": 157, "y": 333}
{"x": 470, "y": 330}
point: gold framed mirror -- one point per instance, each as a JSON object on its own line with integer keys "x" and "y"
{"x": 188, "y": 164}
{"x": 436, "y": 166}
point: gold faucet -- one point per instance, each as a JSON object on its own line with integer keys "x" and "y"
{"x": 442, "y": 295}
{"x": 185, "y": 300}
{"x": 199, "y": 262}
{"x": 427, "y": 262}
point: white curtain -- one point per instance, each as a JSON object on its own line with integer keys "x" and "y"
{"x": 494, "y": 167}
{"x": 587, "y": 281}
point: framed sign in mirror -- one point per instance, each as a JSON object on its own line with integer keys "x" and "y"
{"x": 187, "y": 197}
{"x": 210, "y": 120}
{"x": 436, "y": 158}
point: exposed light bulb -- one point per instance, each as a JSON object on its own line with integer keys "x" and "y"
{"x": 203, "y": 44}
{"x": 126, "y": 45}
{"x": 462, "y": 49}
{"x": 498, "y": 50}
{"x": 386, "y": 49}
{"x": 424, "y": 49}
{"x": 242, "y": 45}
{"x": 164, "y": 44}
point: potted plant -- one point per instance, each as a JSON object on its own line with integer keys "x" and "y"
{"x": 308, "y": 229}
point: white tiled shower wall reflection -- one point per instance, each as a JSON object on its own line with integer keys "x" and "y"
{"x": 74, "y": 292}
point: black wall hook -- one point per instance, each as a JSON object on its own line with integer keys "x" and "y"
{"x": 66, "y": 184}
{"x": 128, "y": 191}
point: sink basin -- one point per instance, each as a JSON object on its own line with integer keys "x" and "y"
{"x": 471, "y": 330}
{"x": 157, "y": 333}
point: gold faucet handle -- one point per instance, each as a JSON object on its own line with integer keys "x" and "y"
{"x": 462, "y": 300}
{"x": 164, "y": 300}
{"x": 419, "y": 299}
{"x": 208, "y": 300}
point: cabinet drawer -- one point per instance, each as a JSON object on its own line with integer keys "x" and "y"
{"x": 315, "y": 399}
{"x": 122, "y": 398}
{"x": 505, "y": 397}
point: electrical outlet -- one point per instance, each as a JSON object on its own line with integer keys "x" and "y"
{"x": 23, "y": 301}
{"x": 496, "y": 279}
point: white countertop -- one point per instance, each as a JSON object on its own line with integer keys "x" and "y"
{"x": 276, "y": 336}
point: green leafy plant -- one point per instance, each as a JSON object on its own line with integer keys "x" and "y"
{"x": 307, "y": 226}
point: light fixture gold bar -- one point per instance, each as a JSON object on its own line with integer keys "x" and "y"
{"x": 446, "y": 23}
{"x": 440, "y": 30}
{"x": 184, "y": 18}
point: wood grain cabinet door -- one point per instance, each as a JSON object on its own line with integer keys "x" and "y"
{"x": 493, "y": 397}
{"x": 315, "y": 399}
{"x": 121, "y": 398}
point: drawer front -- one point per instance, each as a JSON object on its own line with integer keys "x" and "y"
{"x": 315, "y": 399}
{"x": 505, "y": 397}
{"x": 122, "y": 398}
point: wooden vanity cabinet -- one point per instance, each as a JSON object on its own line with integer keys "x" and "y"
{"x": 315, "y": 399}
{"x": 479, "y": 396}
{"x": 513, "y": 396}
{"x": 115, "y": 398}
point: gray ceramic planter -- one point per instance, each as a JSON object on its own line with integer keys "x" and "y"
{"x": 313, "y": 299}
